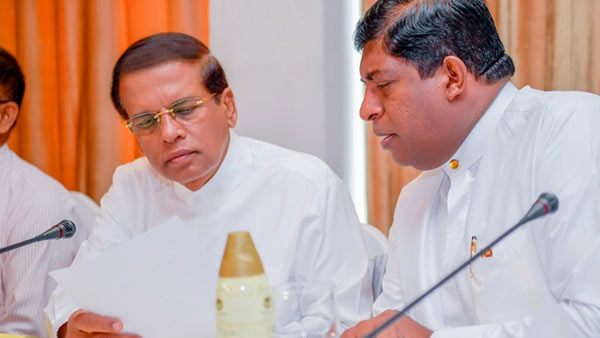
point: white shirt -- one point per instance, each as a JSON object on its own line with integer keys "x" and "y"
{"x": 297, "y": 210}
{"x": 528, "y": 142}
{"x": 30, "y": 203}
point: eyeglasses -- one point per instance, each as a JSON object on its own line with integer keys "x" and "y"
{"x": 183, "y": 111}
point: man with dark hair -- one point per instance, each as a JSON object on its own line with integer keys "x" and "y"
{"x": 30, "y": 202}
{"x": 176, "y": 101}
{"x": 438, "y": 94}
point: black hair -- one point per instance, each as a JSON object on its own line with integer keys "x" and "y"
{"x": 424, "y": 32}
{"x": 164, "y": 47}
{"x": 12, "y": 82}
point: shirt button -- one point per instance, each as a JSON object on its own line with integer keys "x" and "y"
{"x": 454, "y": 164}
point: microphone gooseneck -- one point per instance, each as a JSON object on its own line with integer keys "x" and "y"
{"x": 546, "y": 204}
{"x": 63, "y": 229}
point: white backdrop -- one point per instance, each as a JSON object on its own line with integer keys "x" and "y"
{"x": 292, "y": 69}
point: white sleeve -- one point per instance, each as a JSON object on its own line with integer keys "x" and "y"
{"x": 331, "y": 248}
{"x": 107, "y": 232}
{"x": 391, "y": 297}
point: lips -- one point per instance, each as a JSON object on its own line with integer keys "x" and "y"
{"x": 179, "y": 156}
{"x": 386, "y": 138}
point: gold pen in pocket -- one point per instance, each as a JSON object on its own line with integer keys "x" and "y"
{"x": 473, "y": 251}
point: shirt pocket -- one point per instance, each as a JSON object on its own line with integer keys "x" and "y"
{"x": 508, "y": 285}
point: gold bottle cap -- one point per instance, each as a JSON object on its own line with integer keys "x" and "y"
{"x": 240, "y": 258}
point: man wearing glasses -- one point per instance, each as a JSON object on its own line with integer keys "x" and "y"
{"x": 175, "y": 99}
{"x": 30, "y": 202}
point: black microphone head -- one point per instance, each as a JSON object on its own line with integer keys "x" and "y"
{"x": 62, "y": 229}
{"x": 68, "y": 228}
{"x": 546, "y": 204}
{"x": 550, "y": 200}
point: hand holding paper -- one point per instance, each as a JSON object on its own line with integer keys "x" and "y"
{"x": 152, "y": 283}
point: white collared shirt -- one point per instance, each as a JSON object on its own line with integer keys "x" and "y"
{"x": 30, "y": 203}
{"x": 297, "y": 210}
{"x": 527, "y": 142}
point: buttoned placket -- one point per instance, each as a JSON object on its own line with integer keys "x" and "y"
{"x": 458, "y": 199}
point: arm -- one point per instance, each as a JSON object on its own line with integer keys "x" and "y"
{"x": 106, "y": 233}
{"x": 391, "y": 298}
{"x": 331, "y": 248}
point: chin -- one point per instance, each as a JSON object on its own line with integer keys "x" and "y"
{"x": 401, "y": 161}
{"x": 177, "y": 177}
{"x": 184, "y": 180}
{"x": 191, "y": 180}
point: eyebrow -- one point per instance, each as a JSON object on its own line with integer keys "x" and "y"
{"x": 183, "y": 100}
{"x": 170, "y": 106}
{"x": 372, "y": 74}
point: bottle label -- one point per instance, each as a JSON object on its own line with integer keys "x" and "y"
{"x": 244, "y": 307}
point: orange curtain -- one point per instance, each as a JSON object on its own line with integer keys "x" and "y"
{"x": 67, "y": 48}
{"x": 555, "y": 45}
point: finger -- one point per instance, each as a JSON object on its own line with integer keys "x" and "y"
{"x": 361, "y": 329}
{"x": 91, "y": 322}
{"x": 348, "y": 334}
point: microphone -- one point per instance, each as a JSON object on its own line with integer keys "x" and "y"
{"x": 63, "y": 229}
{"x": 546, "y": 204}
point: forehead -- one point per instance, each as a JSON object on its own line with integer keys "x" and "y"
{"x": 171, "y": 71}
{"x": 377, "y": 61}
{"x": 157, "y": 87}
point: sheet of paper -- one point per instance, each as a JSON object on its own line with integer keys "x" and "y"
{"x": 153, "y": 283}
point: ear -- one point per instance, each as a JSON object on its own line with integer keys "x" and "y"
{"x": 456, "y": 72}
{"x": 8, "y": 115}
{"x": 228, "y": 102}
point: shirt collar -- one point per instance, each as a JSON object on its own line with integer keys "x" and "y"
{"x": 472, "y": 149}
{"x": 225, "y": 180}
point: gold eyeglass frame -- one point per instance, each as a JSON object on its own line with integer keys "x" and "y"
{"x": 156, "y": 115}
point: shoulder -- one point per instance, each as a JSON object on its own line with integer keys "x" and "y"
{"x": 546, "y": 118}
{"x": 281, "y": 161}
{"x": 30, "y": 178}
{"x": 36, "y": 200}
{"x": 32, "y": 187}
{"x": 555, "y": 107}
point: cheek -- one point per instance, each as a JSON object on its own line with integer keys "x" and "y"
{"x": 210, "y": 139}
{"x": 147, "y": 145}
{"x": 402, "y": 114}
{"x": 208, "y": 133}
{"x": 153, "y": 152}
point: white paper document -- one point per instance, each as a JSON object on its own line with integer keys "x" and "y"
{"x": 153, "y": 283}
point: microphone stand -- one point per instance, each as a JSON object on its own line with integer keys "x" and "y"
{"x": 18, "y": 245}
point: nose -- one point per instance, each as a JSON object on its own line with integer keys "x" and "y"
{"x": 170, "y": 129}
{"x": 371, "y": 108}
